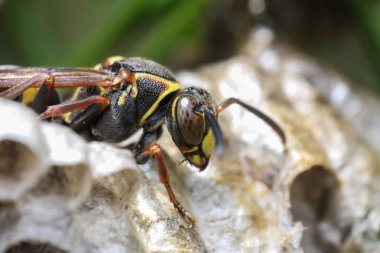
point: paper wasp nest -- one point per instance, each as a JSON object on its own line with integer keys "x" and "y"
{"x": 60, "y": 194}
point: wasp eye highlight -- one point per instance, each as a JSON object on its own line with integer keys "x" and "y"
{"x": 191, "y": 124}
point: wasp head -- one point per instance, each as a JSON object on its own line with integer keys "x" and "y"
{"x": 192, "y": 123}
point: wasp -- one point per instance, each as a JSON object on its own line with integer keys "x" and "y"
{"x": 121, "y": 95}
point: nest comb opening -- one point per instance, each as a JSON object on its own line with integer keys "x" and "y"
{"x": 34, "y": 247}
{"x": 19, "y": 167}
{"x": 315, "y": 202}
{"x": 63, "y": 181}
{"x": 15, "y": 159}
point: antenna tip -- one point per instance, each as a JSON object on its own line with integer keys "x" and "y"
{"x": 219, "y": 150}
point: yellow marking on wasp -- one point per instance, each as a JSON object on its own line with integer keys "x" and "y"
{"x": 110, "y": 60}
{"x": 123, "y": 97}
{"x": 29, "y": 95}
{"x": 67, "y": 117}
{"x": 195, "y": 159}
{"x": 79, "y": 94}
{"x": 103, "y": 91}
{"x": 115, "y": 58}
{"x": 98, "y": 66}
{"x": 170, "y": 88}
{"x": 208, "y": 143}
{"x": 133, "y": 90}
{"x": 192, "y": 149}
{"x": 75, "y": 95}
{"x": 174, "y": 105}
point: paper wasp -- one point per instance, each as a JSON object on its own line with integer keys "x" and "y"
{"x": 121, "y": 95}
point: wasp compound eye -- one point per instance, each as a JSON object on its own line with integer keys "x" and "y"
{"x": 191, "y": 124}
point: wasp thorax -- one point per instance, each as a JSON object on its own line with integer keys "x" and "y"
{"x": 191, "y": 123}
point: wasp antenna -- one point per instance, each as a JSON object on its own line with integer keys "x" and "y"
{"x": 219, "y": 149}
{"x": 226, "y": 103}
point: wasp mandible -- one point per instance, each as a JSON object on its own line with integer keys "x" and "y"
{"x": 120, "y": 96}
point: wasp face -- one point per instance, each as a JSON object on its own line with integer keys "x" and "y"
{"x": 193, "y": 125}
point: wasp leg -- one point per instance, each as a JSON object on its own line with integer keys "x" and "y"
{"x": 226, "y": 103}
{"x": 85, "y": 119}
{"x": 147, "y": 139}
{"x": 46, "y": 96}
{"x": 162, "y": 169}
{"x": 18, "y": 89}
{"x": 58, "y": 110}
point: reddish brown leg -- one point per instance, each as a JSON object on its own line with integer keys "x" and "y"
{"x": 49, "y": 86}
{"x": 45, "y": 96}
{"x": 226, "y": 103}
{"x": 58, "y": 110}
{"x": 17, "y": 90}
{"x": 162, "y": 168}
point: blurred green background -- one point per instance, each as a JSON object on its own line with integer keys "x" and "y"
{"x": 188, "y": 33}
{"x": 80, "y": 33}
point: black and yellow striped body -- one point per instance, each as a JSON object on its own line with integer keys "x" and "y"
{"x": 135, "y": 93}
{"x": 39, "y": 98}
{"x": 130, "y": 110}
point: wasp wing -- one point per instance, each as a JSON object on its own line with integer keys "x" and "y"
{"x": 11, "y": 76}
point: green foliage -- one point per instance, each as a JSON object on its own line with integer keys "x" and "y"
{"x": 81, "y": 33}
{"x": 367, "y": 17}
